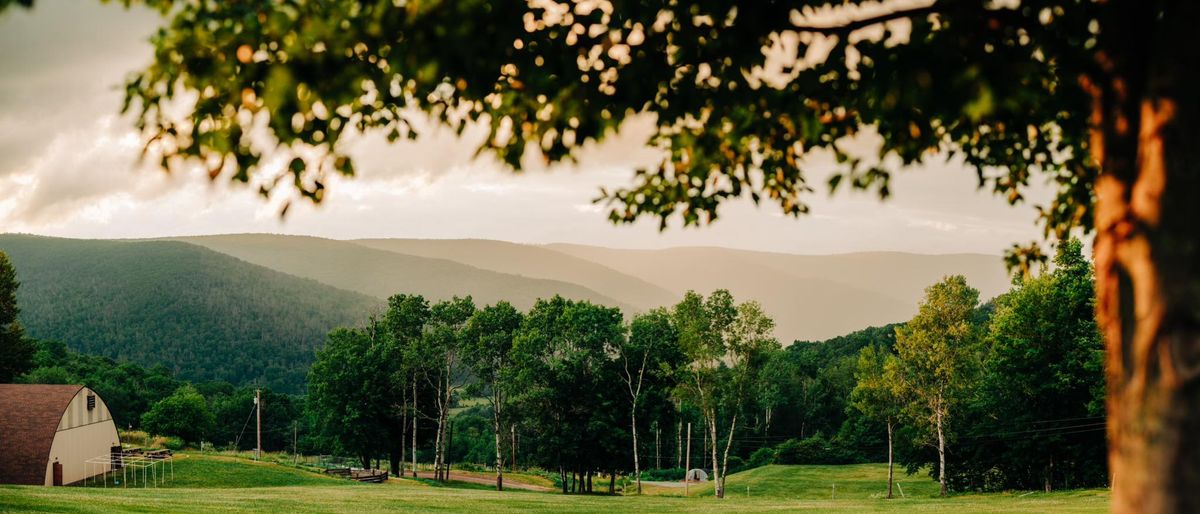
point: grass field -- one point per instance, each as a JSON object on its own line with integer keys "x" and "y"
{"x": 205, "y": 483}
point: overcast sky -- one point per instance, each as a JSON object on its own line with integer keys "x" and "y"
{"x": 68, "y": 167}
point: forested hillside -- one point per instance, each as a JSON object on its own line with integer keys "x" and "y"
{"x": 380, "y": 273}
{"x": 204, "y": 315}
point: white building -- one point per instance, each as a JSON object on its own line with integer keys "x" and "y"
{"x": 47, "y": 432}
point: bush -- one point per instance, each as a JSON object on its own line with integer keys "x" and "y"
{"x": 762, "y": 457}
{"x": 184, "y": 414}
{"x": 815, "y": 450}
{"x": 663, "y": 475}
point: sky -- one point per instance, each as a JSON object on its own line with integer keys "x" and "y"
{"x": 69, "y": 167}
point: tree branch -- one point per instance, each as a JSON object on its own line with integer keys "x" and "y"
{"x": 841, "y": 30}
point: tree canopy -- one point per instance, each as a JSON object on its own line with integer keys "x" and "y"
{"x": 740, "y": 94}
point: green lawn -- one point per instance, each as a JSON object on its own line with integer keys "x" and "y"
{"x": 225, "y": 484}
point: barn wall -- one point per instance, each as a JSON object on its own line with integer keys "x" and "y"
{"x": 82, "y": 434}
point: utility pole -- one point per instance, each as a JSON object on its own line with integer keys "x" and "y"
{"x": 687, "y": 468}
{"x": 258, "y": 422}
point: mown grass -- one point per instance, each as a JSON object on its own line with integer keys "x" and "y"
{"x": 227, "y": 484}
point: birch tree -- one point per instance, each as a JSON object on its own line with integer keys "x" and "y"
{"x": 644, "y": 356}
{"x": 487, "y": 349}
{"x": 442, "y": 344}
{"x": 935, "y": 360}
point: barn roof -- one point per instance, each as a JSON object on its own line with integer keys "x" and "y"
{"x": 29, "y": 417}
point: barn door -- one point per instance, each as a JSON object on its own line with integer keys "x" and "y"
{"x": 58, "y": 473}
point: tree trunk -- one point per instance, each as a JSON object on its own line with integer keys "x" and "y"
{"x": 891, "y": 464}
{"x": 499, "y": 452}
{"x": 414, "y": 427}
{"x": 718, "y": 484}
{"x": 437, "y": 448}
{"x": 612, "y": 482}
{"x": 657, "y": 446}
{"x": 394, "y": 461}
{"x": 1049, "y": 473}
{"x": 403, "y": 430}
{"x": 725, "y": 458}
{"x": 1146, "y": 125}
{"x": 562, "y": 477}
{"x": 941, "y": 437}
{"x": 679, "y": 444}
{"x": 637, "y": 470}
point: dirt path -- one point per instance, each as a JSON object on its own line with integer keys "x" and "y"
{"x": 508, "y": 483}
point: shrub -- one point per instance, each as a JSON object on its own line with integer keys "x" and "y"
{"x": 171, "y": 443}
{"x": 663, "y": 475}
{"x": 815, "y": 450}
{"x": 762, "y": 457}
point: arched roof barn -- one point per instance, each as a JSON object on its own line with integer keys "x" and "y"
{"x": 44, "y": 425}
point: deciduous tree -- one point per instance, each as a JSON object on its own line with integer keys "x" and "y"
{"x": 936, "y": 361}
{"x": 875, "y": 396}
{"x": 646, "y": 357}
{"x": 487, "y": 348}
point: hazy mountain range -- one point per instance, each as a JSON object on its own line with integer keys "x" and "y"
{"x": 302, "y": 286}
{"x": 811, "y": 297}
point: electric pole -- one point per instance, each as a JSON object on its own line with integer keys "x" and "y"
{"x": 258, "y": 422}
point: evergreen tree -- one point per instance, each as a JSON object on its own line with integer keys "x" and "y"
{"x": 16, "y": 352}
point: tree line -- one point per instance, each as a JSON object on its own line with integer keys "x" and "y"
{"x": 1000, "y": 395}
{"x": 1007, "y": 394}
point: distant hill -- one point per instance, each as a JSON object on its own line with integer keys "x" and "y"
{"x": 382, "y": 273}
{"x": 203, "y": 314}
{"x": 535, "y": 262}
{"x": 810, "y": 297}
{"x": 255, "y": 306}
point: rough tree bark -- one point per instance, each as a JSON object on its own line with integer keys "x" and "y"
{"x": 1146, "y": 139}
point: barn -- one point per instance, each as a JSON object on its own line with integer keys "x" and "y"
{"x": 48, "y": 432}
